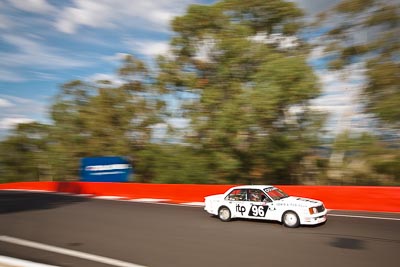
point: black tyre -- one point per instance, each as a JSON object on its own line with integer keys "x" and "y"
{"x": 290, "y": 219}
{"x": 224, "y": 214}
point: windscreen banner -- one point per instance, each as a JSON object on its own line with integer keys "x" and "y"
{"x": 106, "y": 169}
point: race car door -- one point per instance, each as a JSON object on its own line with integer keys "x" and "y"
{"x": 248, "y": 203}
{"x": 258, "y": 204}
{"x": 236, "y": 201}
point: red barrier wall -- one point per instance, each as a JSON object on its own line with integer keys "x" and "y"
{"x": 363, "y": 198}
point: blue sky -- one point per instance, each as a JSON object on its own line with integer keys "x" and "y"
{"x": 45, "y": 43}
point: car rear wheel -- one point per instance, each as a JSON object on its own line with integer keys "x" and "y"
{"x": 290, "y": 219}
{"x": 224, "y": 214}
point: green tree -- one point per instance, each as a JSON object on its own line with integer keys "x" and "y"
{"x": 103, "y": 119}
{"x": 171, "y": 163}
{"x": 368, "y": 31}
{"x": 247, "y": 94}
{"x": 367, "y": 160}
{"x": 244, "y": 86}
{"x": 24, "y": 154}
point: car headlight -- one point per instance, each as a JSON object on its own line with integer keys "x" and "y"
{"x": 313, "y": 210}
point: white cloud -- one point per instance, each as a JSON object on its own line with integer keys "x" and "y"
{"x": 341, "y": 98}
{"x": 284, "y": 42}
{"x": 352, "y": 78}
{"x": 32, "y": 53}
{"x": 118, "y": 57}
{"x": 317, "y": 53}
{"x": 179, "y": 123}
{"x": 4, "y": 103}
{"x": 161, "y": 17}
{"x": 332, "y": 104}
{"x": 16, "y": 107}
{"x": 147, "y": 47}
{"x": 87, "y": 13}
{"x": 15, "y": 110}
{"x": 153, "y": 15}
{"x": 9, "y": 123}
{"x": 34, "y": 6}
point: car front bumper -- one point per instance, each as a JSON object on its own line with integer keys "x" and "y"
{"x": 313, "y": 220}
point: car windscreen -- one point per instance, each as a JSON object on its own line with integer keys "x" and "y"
{"x": 275, "y": 193}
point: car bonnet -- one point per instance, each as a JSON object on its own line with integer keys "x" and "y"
{"x": 300, "y": 202}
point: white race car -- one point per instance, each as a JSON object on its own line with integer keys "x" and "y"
{"x": 267, "y": 203}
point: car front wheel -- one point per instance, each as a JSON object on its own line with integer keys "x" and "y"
{"x": 290, "y": 219}
{"x": 224, "y": 214}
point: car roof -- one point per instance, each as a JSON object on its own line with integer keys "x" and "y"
{"x": 261, "y": 187}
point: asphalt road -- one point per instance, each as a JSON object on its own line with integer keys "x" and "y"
{"x": 162, "y": 235}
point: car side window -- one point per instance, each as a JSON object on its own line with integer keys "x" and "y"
{"x": 256, "y": 195}
{"x": 237, "y": 195}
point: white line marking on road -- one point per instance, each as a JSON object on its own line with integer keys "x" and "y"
{"x": 149, "y": 200}
{"x": 196, "y": 204}
{"x": 365, "y": 217}
{"x": 68, "y": 252}
{"x": 12, "y": 262}
{"x": 109, "y": 197}
{"x": 29, "y": 190}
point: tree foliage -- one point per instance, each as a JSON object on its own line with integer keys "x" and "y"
{"x": 368, "y": 31}
{"x": 103, "y": 119}
{"x": 24, "y": 155}
{"x": 244, "y": 91}
{"x": 367, "y": 160}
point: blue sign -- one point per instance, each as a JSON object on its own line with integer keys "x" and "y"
{"x": 105, "y": 169}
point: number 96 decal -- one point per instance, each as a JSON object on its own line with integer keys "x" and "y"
{"x": 258, "y": 211}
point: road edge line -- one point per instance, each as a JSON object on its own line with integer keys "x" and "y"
{"x": 68, "y": 252}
